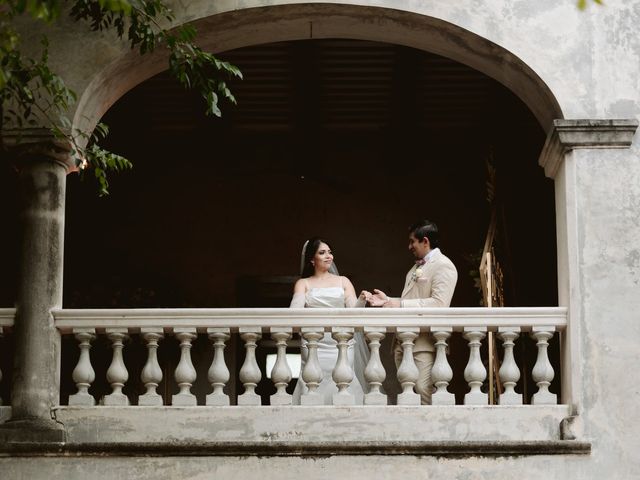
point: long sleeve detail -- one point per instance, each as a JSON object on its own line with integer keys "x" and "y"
{"x": 298, "y": 300}
{"x": 353, "y": 302}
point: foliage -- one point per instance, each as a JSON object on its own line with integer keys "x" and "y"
{"x": 582, "y": 4}
{"x": 33, "y": 95}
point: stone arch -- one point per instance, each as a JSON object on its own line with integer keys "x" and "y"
{"x": 227, "y": 30}
{"x": 231, "y": 30}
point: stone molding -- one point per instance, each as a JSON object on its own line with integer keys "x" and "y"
{"x": 31, "y": 431}
{"x": 565, "y": 135}
{"x": 338, "y": 431}
{"x": 26, "y": 145}
{"x": 278, "y": 448}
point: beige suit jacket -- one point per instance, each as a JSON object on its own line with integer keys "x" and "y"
{"x": 432, "y": 288}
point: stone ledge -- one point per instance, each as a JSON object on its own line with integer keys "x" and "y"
{"x": 311, "y": 425}
{"x": 30, "y": 431}
{"x": 293, "y": 448}
{"x": 306, "y": 431}
{"x": 566, "y": 135}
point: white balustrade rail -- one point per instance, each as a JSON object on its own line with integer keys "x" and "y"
{"x": 281, "y": 324}
{"x": 6, "y": 322}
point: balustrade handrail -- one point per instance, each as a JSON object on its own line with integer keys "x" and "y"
{"x": 201, "y": 318}
{"x": 280, "y": 323}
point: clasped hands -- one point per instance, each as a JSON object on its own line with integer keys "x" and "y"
{"x": 379, "y": 299}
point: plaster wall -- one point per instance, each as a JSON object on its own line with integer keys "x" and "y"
{"x": 608, "y": 202}
{"x": 282, "y": 468}
{"x": 577, "y": 55}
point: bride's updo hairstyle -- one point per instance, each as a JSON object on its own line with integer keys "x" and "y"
{"x": 310, "y": 249}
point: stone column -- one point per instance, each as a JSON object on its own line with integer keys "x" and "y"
{"x": 568, "y": 156}
{"x": 568, "y": 143}
{"x": 42, "y": 163}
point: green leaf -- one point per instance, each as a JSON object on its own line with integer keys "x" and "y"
{"x": 116, "y": 5}
{"x": 582, "y": 4}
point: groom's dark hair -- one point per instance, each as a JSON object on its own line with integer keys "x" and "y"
{"x": 425, "y": 228}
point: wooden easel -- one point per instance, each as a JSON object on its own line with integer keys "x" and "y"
{"x": 492, "y": 283}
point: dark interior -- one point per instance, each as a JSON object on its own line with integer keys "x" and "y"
{"x": 346, "y": 139}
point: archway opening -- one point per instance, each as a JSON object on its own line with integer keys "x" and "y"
{"x": 352, "y": 140}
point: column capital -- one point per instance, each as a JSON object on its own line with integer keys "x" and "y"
{"x": 27, "y": 145}
{"x": 566, "y": 135}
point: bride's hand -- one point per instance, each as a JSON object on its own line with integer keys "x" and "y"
{"x": 364, "y": 295}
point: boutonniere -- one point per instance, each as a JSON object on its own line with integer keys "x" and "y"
{"x": 417, "y": 274}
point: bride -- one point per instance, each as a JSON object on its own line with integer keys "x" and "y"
{"x": 322, "y": 287}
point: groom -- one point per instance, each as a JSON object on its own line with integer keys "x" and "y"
{"x": 429, "y": 283}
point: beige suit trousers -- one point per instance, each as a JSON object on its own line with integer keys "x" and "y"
{"x": 424, "y": 362}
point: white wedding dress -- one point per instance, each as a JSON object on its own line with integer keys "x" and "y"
{"x": 330, "y": 297}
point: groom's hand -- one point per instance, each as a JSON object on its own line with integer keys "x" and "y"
{"x": 378, "y": 299}
{"x": 392, "y": 303}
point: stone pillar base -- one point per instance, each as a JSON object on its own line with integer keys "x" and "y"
{"x": 408, "y": 398}
{"x": 281, "y": 399}
{"x": 476, "y": 398}
{"x": 32, "y": 431}
{"x": 374, "y": 398}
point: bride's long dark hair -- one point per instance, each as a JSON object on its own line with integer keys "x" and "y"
{"x": 310, "y": 250}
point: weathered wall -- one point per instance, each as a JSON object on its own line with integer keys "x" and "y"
{"x": 312, "y": 468}
{"x": 609, "y": 263}
{"x": 576, "y": 54}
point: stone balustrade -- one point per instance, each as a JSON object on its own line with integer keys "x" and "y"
{"x": 282, "y": 326}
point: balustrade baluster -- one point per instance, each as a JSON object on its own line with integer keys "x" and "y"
{"x": 151, "y": 374}
{"x": 250, "y": 373}
{"x": 117, "y": 374}
{"x": 218, "y": 372}
{"x": 407, "y": 371}
{"x": 312, "y": 372}
{"x": 374, "y": 372}
{"x": 441, "y": 372}
{"x": 343, "y": 373}
{"x": 83, "y": 374}
{"x": 185, "y": 374}
{"x": 475, "y": 373}
{"x": 509, "y": 371}
{"x": 281, "y": 373}
{"x": 543, "y": 372}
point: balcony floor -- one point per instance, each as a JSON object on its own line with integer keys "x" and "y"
{"x": 435, "y": 430}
